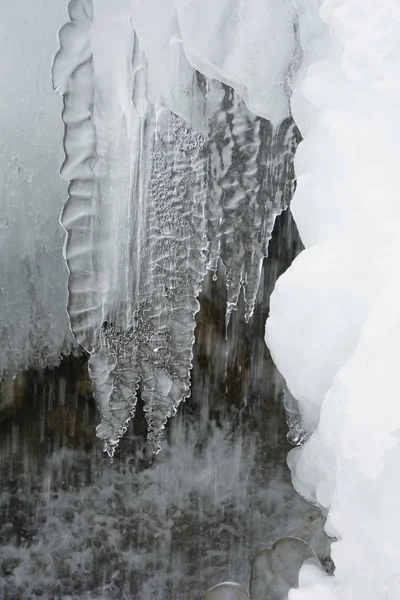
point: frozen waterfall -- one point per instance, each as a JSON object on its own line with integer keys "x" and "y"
{"x": 167, "y": 176}
{"x": 193, "y": 130}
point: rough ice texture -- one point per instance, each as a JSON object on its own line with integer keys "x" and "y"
{"x": 34, "y": 327}
{"x": 338, "y": 344}
{"x": 154, "y": 201}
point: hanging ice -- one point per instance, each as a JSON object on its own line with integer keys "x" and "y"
{"x": 155, "y": 198}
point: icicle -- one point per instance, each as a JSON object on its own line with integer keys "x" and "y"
{"x": 257, "y": 185}
{"x": 240, "y": 187}
{"x": 73, "y": 77}
{"x": 175, "y": 267}
{"x": 99, "y": 118}
{"x": 154, "y": 201}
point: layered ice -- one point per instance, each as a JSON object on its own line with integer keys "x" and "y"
{"x": 166, "y": 177}
{"x": 337, "y": 343}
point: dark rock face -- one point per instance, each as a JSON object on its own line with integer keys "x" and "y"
{"x": 165, "y": 527}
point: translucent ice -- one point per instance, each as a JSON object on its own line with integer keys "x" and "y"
{"x": 154, "y": 201}
{"x": 225, "y": 41}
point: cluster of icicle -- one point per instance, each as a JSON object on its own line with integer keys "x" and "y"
{"x": 169, "y": 171}
{"x": 338, "y": 344}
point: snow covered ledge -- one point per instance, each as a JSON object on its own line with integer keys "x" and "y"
{"x": 334, "y": 327}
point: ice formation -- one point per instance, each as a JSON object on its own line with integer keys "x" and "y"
{"x": 178, "y": 147}
{"x": 34, "y": 328}
{"x": 334, "y": 328}
{"x": 169, "y": 171}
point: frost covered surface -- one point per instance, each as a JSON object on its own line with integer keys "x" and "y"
{"x": 162, "y": 184}
{"x": 33, "y": 322}
{"x": 338, "y": 345}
